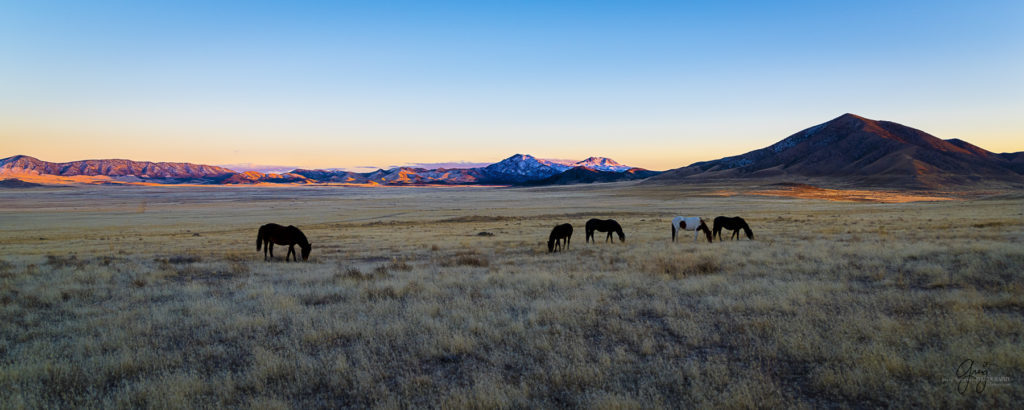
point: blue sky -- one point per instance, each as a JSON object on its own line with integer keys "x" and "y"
{"x": 343, "y": 84}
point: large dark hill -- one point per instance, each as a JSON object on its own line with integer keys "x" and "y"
{"x": 859, "y": 151}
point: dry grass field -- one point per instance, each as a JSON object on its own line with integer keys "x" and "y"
{"x": 114, "y": 297}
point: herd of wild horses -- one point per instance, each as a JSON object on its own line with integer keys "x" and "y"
{"x": 563, "y": 233}
{"x": 271, "y": 234}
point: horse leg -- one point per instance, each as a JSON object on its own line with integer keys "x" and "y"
{"x": 695, "y": 233}
{"x": 266, "y": 248}
{"x": 673, "y": 233}
{"x": 291, "y": 252}
{"x": 270, "y": 246}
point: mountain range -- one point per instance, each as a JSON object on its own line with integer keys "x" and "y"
{"x": 519, "y": 169}
{"x": 847, "y": 150}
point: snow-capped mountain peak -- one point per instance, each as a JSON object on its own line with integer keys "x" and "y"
{"x": 526, "y": 165}
{"x": 568, "y": 163}
{"x": 602, "y": 164}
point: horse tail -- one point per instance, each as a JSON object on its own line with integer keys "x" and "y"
{"x": 259, "y": 239}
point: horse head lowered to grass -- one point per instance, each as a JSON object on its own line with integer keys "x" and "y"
{"x": 558, "y": 234}
{"x": 271, "y": 234}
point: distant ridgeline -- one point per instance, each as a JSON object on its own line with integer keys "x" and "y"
{"x": 848, "y": 150}
{"x": 518, "y": 169}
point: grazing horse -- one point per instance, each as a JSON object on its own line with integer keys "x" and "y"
{"x": 690, "y": 223}
{"x": 273, "y": 233}
{"x": 733, "y": 224}
{"x": 563, "y": 231}
{"x": 604, "y": 225}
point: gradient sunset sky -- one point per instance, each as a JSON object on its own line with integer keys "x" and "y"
{"x": 377, "y": 83}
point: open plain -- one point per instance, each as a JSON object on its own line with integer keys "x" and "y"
{"x": 447, "y": 297}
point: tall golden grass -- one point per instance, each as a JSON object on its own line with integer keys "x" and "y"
{"x": 404, "y": 303}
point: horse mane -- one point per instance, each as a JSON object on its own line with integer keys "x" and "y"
{"x": 707, "y": 232}
{"x": 746, "y": 230}
{"x": 743, "y": 225}
{"x": 304, "y": 242}
{"x": 559, "y": 232}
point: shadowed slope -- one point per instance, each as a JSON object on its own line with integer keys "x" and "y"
{"x": 584, "y": 175}
{"x": 17, "y": 183}
{"x": 862, "y": 151}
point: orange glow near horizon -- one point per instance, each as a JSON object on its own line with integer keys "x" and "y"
{"x": 666, "y": 147}
{"x": 53, "y": 150}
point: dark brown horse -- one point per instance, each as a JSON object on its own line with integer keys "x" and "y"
{"x": 560, "y": 232}
{"x": 733, "y": 224}
{"x": 271, "y": 234}
{"x": 604, "y": 225}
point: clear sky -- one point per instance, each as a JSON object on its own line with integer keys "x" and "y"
{"x": 355, "y": 83}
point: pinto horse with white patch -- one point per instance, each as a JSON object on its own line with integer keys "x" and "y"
{"x": 690, "y": 223}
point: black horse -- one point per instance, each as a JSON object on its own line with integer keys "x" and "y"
{"x": 270, "y": 234}
{"x": 563, "y": 231}
{"x": 733, "y": 224}
{"x": 604, "y": 225}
